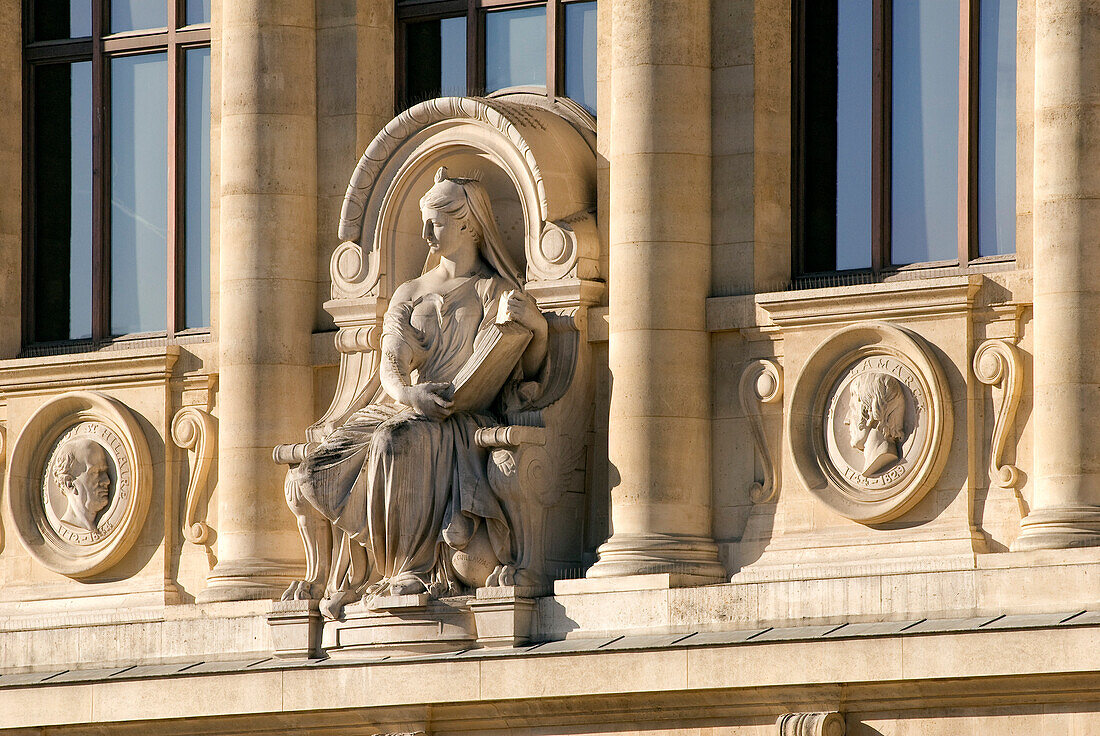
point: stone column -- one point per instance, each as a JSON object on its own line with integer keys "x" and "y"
{"x": 659, "y": 424}
{"x": 267, "y": 286}
{"x": 1065, "y": 506}
{"x": 11, "y": 184}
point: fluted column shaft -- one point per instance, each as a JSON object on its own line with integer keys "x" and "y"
{"x": 268, "y": 203}
{"x": 1065, "y": 507}
{"x": 659, "y": 227}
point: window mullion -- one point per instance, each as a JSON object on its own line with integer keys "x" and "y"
{"x": 968, "y": 118}
{"x": 101, "y": 216}
{"x": 475, "y": 49}
{"x": 554, "y": 50}
{"x": 174, "y": 239}
{"x": 880, "y": 137}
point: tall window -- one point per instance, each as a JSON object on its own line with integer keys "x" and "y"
{"x": 905, "y": 115}
{"x": 458, "y": 47}
{"x": 118, "y": 137}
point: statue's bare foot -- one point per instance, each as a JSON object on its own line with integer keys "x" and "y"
{"x": 501, "y": 576}
{"x": 332, "y": 606}
{"x": 301, "y": 590}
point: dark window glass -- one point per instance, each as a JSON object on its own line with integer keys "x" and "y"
{"x": 997, "y": 128}
{"x": 139, "y": 193}
{"x": 55, "y": 20}
{"x": 198, "y": 11}
{"x": 880, "y": 147}
{"x": 197, "y": 190}
{"x": 580, "y": 53}
{"x": 435, "y": 59}
{"x": 120, "y": 248}
{"x": 837, "y": 155}
{"x": 855, "y": 30}
{"x": 511, "y": 48}
{"x": 924, "y": 148}
{"x": 63, "y": 190}
{"x": 515, "y": 48}
{"x": 136, "y": 15}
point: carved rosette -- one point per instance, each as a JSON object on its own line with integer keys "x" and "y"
{"x": 811, "y": 724}
{"x": 997, "y": 364}
{"x": 870, "y": 422}
{"x": 196, "y": 431}
{"x": 761, "y": 382}
{"x": 79, "y": 483}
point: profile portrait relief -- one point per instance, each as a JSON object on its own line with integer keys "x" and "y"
{"x": 876, "y": 419}
{"x": 81, "y": 471}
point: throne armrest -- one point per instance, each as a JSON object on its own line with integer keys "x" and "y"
{"x": 292, "y": 454}
{"x": 509, "y": 437}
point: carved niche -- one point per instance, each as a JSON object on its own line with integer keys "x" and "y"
{"x": 870, "y": 422}
{"x": 535, "y": 162}
{"x": 79, "y": 483}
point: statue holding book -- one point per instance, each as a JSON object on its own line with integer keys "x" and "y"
{"x": 403, "y": 479}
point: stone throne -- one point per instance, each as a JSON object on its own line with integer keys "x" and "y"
{"x": 536, "y": 159}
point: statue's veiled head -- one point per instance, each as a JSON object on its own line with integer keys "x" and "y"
{"x": 457, "y": 211}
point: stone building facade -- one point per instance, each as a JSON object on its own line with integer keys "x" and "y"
{"x": 768, "y": 473}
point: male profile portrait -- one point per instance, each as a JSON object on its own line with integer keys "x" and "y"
{"x": 80, "y": 470}
{"x": 876, "y": 419}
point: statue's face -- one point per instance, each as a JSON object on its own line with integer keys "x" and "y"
{"x": 445, "y": 235}
{"x": 858, "y": 430}
{"x": 91, "y": 490}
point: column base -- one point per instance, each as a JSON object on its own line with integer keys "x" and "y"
{"x": 1059, "y": 527}
{"x": 248, "y": 580}
{"x": 691, "y": 559}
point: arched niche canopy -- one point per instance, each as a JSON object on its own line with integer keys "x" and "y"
{"x": 536, "y": 159}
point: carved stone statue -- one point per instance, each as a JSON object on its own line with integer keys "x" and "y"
{"x": 876, "y": 419}
{"x": 81, "y": 472}
{"x": 403, "y": 478}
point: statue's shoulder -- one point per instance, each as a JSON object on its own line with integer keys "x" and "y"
{"x": 490, "y": 286}
{"x": 405, "y": 293}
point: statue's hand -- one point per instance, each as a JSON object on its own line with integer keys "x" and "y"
{"x": 521, "y": 308}
{"x": 433, "y": 400}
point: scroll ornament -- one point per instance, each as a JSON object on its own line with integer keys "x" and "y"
{"x": 997, "y": 364}
{"x": 195, "y": 430}
{"x": 761, "y": 382}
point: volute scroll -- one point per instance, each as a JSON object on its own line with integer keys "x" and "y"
{"x": 997, "y": 364}
{"x": 196, "y": 431}
{"x": 761, "y": 383}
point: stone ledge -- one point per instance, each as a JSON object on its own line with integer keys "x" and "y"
{"x": 111, "y": 365}
{"x": 976, "y": 666}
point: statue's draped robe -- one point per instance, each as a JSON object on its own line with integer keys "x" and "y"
{"x": 402, "y": 484}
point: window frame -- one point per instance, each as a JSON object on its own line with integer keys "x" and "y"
{"x": 412, "y": 11}
{"x": 174, "y": 41}
{"x": 967, "y": 253}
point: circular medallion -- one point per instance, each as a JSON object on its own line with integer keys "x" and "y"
{"x": 870, "y": 422}
{"x": 79, "y": 483}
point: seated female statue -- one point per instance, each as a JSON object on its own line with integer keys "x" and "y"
{"x": 403, "y": 477}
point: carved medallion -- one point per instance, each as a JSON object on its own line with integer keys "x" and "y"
{"x": 79, "y": 483}
{"x": 870, "y": 422}
{"x": 874, "y": 424}
{"x": 86, "y": 482}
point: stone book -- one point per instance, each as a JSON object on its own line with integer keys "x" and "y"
{"x": 484, "y": 373}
